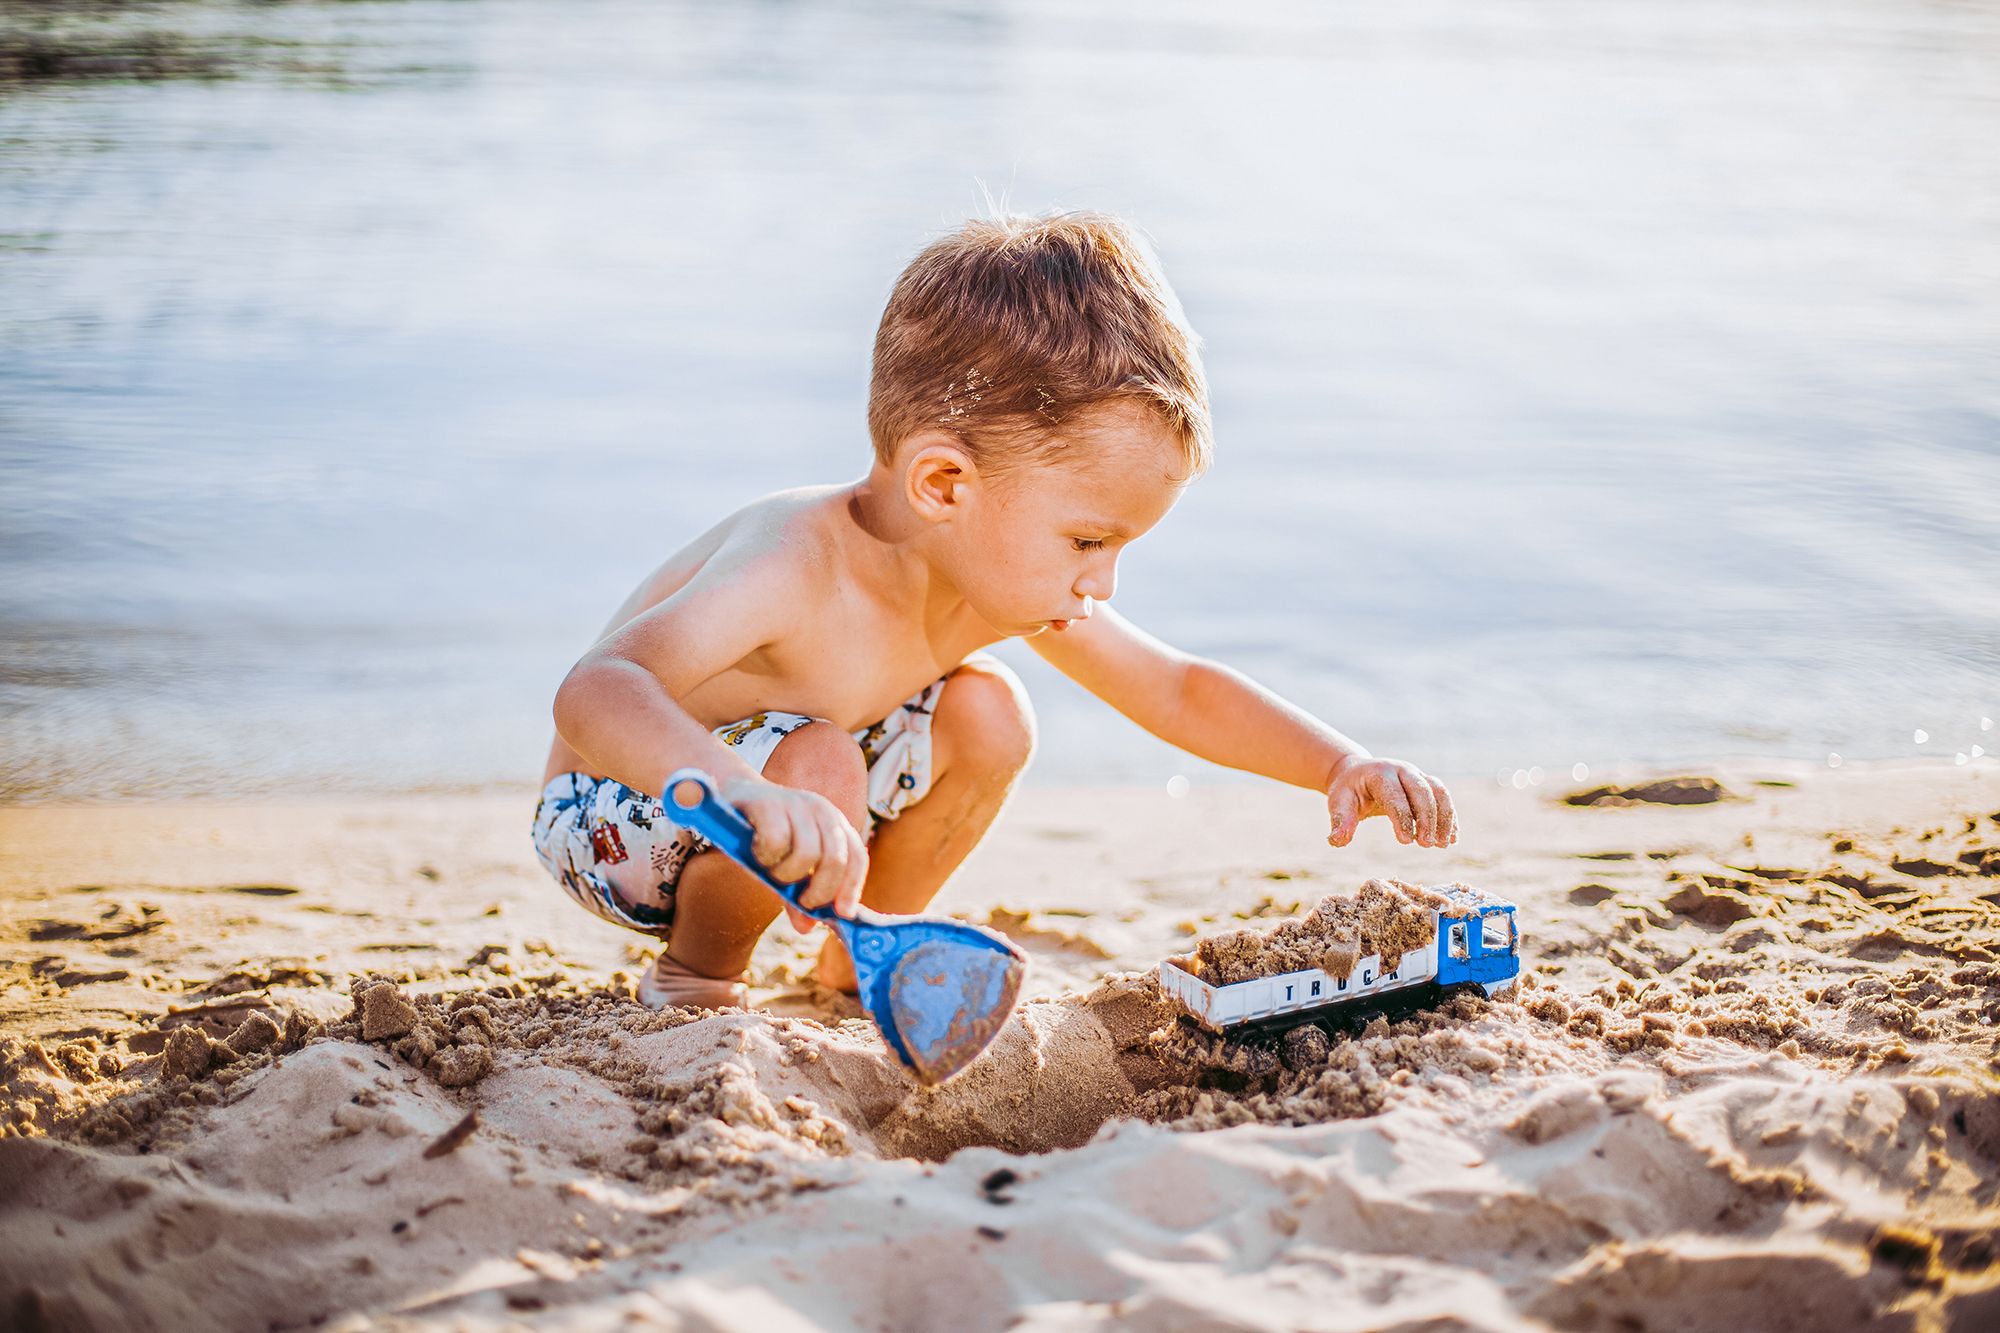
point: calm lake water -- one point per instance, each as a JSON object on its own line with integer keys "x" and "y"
{"x": 1592, "y": 382}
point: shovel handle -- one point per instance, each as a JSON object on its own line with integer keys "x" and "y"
{"x": 690, "y": 798}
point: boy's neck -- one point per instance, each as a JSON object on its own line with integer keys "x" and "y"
{"x": 891, "y": 556}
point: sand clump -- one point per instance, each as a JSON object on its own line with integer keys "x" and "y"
{"x": 1386, "y": 917}
{"x": 384, "y": 1011}
{"x": 187, "y": 1055}
{"x": 93, "y": 1094}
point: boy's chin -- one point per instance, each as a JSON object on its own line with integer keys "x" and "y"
{"x": 1015, "y": 626}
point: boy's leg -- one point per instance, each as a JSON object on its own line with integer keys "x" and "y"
{"x": 982, "y": 736}
{"x": 720, "y": 910}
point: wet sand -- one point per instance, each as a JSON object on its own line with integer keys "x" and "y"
{"x": 347, "y": 1064}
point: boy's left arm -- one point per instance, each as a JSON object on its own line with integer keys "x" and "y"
{"x": 1223, "y": 716}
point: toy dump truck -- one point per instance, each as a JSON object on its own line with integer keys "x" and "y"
{"x": 1474, "y": 946}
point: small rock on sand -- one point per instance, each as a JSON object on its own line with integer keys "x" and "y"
{"x": 187, "y": 1053}
{"x": 1305, "y": 1047}
{"x": 1667, "y": 791}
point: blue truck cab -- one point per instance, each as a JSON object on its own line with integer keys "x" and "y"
{"x": 1475, "y": 944}
{"x": 1483, "y": 950}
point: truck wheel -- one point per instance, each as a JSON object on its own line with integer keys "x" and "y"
{"x": 1304, "y": 1047}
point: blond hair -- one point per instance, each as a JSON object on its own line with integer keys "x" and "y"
{"x": 1011, "y": 327}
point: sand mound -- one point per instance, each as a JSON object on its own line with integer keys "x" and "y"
{"x": 1386, "y": 917}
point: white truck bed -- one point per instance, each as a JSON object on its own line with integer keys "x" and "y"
{"x": 1289, "y": 992}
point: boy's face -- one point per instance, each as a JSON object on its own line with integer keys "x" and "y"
{"x": 1034, "y": 548}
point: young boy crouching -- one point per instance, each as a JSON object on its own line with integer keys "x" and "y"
{"x": 1037, "y": 404}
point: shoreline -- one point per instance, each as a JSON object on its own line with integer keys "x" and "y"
{"x": 1744, "y": 767}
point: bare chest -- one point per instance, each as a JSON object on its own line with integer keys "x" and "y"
{"x": 851, "y": 663}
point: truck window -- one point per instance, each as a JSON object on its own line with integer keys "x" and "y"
{"x": 1494, "y": 932}
{"x": 1458, "y": 939}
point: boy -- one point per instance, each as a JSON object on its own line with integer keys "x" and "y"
{"x": 1036, "y": 405}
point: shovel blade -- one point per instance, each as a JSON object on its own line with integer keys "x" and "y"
{"x": 947, "y": 1000}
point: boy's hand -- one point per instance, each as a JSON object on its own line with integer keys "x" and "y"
{"x": 1417, "y": 805}
{"x": 801, "y": 834}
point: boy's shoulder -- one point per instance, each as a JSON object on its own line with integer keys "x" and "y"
{"x": 789, "y": 524}
{"x": 746, "y": 580}
{"x": 785, "y": 537}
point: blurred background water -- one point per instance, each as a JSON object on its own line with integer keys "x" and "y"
{"x": 1592, "y": 381}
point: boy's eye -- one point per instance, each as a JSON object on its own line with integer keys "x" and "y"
{"x": 1085, "y": 543}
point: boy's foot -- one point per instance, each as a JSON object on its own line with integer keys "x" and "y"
{"x": 668, "y": 984}
{"x": 834, "y": 970}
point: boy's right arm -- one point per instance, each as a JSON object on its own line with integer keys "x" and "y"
{"x": 619, "y": 709}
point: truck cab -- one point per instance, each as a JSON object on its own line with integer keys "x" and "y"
{"x": 1481, "y": 948}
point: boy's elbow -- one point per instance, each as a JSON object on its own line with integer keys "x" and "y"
{"x": 573, "y": 695}
{"x": 602, "y": 684}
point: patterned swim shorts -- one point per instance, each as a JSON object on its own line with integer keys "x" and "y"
{"x": 619, "y": 854}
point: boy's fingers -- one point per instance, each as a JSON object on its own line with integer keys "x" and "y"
{"x": 1423, "y": 806}
{"x": 1447, "y": 813}
{"x": 1341, "y": 819}
{"x": 857, "y": 874}
{"x": 829, "y": 878}
{"x": 771, "y": 832}
{"x": 800, "y": 921}
{"x": 799, "y": 862}
{"x": 1396, "y": 804}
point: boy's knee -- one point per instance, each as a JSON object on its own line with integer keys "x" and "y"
{"x": 822, "y": 758}
{"x": 986, "y": 718}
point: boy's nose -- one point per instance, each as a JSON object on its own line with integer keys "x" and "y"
{"x": 1098, "y": 583}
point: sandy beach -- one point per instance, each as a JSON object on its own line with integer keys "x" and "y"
{"x": 358, "y": 1064}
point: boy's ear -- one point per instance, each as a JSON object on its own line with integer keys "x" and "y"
{"x": 936, "y": 475}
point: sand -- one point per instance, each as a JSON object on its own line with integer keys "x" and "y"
{"x": 358, "y": 1067}
{"x": 1384, "y": 916}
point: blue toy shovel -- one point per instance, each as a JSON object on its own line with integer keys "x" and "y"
{"x": 939, "y": 989}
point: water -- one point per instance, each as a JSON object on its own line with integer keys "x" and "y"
{"x": 1592, "y": 382}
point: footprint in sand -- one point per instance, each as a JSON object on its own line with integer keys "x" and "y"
{"x": 1719, "y": 905}
{"x": 1861, "y": 884}
{"x": 116, "y": 923}
{"x": 1035, "y": 938}
{"x": 1981, "y": 860}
